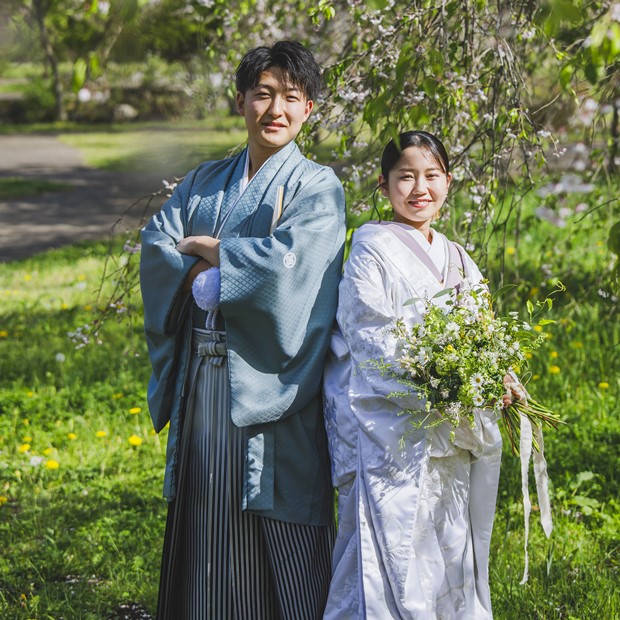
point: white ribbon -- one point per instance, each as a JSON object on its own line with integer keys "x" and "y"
{"x": 542, "y": 482}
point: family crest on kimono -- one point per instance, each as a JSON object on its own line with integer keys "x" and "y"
{"x": 239, "y": 278}
{"x": 415, "y": 505}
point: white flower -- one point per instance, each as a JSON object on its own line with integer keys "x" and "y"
{"x": 60, "y": 357}
{"x": 478, "y": 400}
{"x": 35, "y": 461}
{"x": 477, "y": 380}
{"x": 444, "y": 394}
{"x": 435, "y": 382}
{"x": 452, "y": 328}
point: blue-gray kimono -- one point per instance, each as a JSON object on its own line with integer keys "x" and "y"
{"x": 278, "y": 299}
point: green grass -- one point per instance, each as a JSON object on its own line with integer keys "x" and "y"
{"x": 15, "y": 187}
{"x": 81, "y": 539}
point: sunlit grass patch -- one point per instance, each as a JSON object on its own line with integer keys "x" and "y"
{"x": 15, "y": 187}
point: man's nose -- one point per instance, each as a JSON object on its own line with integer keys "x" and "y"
{"x": 275, "y": 109}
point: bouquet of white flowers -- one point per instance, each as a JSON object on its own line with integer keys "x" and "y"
{"x": 458, "y": 359}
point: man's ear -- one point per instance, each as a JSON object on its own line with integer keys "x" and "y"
{"x": 240, "y": 103}
{"x": 309, "y": 106}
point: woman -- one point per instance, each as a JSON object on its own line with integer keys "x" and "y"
{"x": 415, "y": 515}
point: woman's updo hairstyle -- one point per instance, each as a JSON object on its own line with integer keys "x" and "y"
{"x": 421, "y": 139}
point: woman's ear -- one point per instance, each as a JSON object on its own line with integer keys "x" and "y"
{"x": 382, "y": 184}
{"x": 449, "y": 179}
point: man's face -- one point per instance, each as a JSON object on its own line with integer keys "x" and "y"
{"x": 274, "y": 111}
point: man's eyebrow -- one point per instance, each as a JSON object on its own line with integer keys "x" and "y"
{"x": 289, "y": 89}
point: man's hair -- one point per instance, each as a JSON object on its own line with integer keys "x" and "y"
{"x": 298, "y": 64}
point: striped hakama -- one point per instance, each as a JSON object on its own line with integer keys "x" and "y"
{"x": 219, "y": 562}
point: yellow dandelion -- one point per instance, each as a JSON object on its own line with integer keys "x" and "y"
{"x": 534, "y": 291}
{"x": 134, "y": 440}
{"x": 81, "y": 277}
{"x": 536, "y": 377}
{"x": 3, "y": 500}
{"x": 71, "y": 436}
{"x": 152, "y": 432}
{"x": 52, "y": 464}
{"x": 24, "y": 447}
{"x": 117, "y": 395}
{"x": 4, "y": 333}
{"x": 600, "y": 243}
{"x": 88, "y": 307}
{"x": 577, "y": 344}
{"x": 27, "y": 277}
{"x": 528, "y": 356}
{"x": 603, "y": 385}
{"x": 101, "y": 433}
{"x": 135, "y": 410}
{"x": 27, "y": 439}
{"x": 64, "y": 306}
{"x": 548, "y": 335}
{"x": 48, "y": 451}
{"x": 538, "y": 328}
{"x": 510, "y": 251}
{"x": 553, "y": 354}
{"x": 554, "y": 370}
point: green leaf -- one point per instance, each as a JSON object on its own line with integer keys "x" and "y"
{"x": 79, "y": 74}
{"x": 613, "y": 241}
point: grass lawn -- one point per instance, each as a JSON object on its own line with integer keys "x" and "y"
{"x": 14, "y": 187}
{"x": 81, "y": 514}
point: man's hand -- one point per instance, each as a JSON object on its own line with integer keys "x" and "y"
{"x": 201, "y": 245}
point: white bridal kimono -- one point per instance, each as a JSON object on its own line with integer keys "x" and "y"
{"x": 415, "y": 517}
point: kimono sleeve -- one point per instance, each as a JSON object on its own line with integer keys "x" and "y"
{"x": 162, "y": 268}
{"x": 278, "y": 297}
{"x": 366, "y": 316}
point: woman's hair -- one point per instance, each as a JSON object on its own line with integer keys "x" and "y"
{"x": 421, "y": 139}
{"x": 292, "y": 57}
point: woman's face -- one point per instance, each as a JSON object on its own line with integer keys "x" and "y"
{"x": 416, "y": 186}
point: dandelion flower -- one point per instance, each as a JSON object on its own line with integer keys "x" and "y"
{"x": 24, "y": 447}
{"x": 60, "y": 357}
{"x": 64, "y": 306}
{"x": 101, "y": 433}
{"x": 88, "y": 307}
{"x": 3, "y": 500}
{"x": 71, "y": 436}
{"x": 27, "y": 439}
{"x": 4, "y": 333}
{"x": 117, "y": 395}
{"x": 134, "y": 440}
{"x": 510, "y": 251}
{"x": 528, "y": 355}
{"x": 603, "y": 385}
{"x": 538, "y": 328}
{"x": 52, "y": 464}
{"x": 578, "y": 345}
{"x": 553, "y": 354}
{"x": 536, "y": 377}
{"x": 554, "y": 370}
{"x": 27, "y": 277}
{"x": 135, "y": 410}
{"x": 48, "y": 451}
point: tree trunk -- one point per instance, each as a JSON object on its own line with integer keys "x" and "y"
{"x": 39, "y": 8}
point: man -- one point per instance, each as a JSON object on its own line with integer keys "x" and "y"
{"x": 250, "y": 248}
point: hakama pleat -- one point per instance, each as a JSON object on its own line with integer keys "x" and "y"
{"x": 220, "y": 562}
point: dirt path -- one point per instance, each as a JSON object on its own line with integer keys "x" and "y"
{"x": 89, "y": 210}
